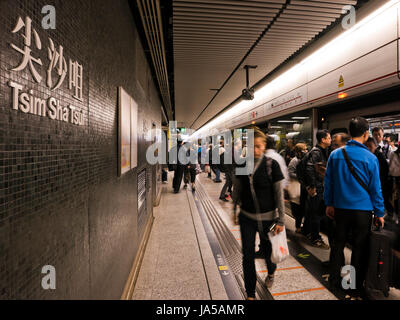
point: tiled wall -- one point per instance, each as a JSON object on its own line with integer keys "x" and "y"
{"x": 61, "y": 200}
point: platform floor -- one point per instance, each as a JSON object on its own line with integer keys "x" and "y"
{"x": 180, "y": 261}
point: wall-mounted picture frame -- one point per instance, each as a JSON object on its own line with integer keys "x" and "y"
{"x": 134, "y": 133}
{"x": 127, "y": 132}
{"x": 124, "y": 131}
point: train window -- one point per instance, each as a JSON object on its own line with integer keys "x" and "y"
{"x": 290, "y": 130}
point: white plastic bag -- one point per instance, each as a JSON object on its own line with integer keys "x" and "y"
{"x": 280, "y": 250}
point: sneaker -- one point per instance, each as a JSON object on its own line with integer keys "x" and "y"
{"x": 193, "y": 187}
{"x": 325, "y": 264}
{"x": 308, "y": 236}
{"x": 228, "y": 196}
{"x": 251, "y": 298}
{"x": 319, "y": 243}
{"x": 269, "y": 281}
{"x": 224, "y": 199}
{"x": 185, "y": 186}
{"x": 217, "y": 181}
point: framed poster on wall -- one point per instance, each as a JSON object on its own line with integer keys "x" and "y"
{"x": 124, "y": 131}
{"x": 134, "y": 133}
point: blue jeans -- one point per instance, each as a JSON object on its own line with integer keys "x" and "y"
{"x": 217, "y": 172}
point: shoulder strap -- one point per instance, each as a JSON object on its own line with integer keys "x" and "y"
{"x": 269, "y": 168}
{"x": 352, "y": 170}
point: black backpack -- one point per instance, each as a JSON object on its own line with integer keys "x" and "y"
{"x": 301, "y": 169}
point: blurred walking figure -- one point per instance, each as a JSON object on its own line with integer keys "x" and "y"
{"x": 260, "y": 196}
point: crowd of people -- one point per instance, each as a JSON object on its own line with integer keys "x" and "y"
{"x": 341, "y": 187}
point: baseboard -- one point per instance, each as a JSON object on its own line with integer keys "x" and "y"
{"x": 158, "y": 197}
{"x": 133, "y": 275}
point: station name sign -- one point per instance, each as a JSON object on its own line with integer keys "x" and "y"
{"x": 25, "y": 99}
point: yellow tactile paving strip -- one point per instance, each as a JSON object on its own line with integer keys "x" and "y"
{"x": 293, "y": 281}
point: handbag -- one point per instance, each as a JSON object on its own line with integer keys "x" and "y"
{"x": 198, "y": 169}
{"x": 294, "y": 189}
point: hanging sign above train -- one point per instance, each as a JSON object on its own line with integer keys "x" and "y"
{"x": 288, "y": 100}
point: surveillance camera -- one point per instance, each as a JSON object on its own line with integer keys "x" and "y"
{"x": 248, "y": 94}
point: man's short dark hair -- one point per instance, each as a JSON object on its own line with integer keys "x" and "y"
{"x": 322, "y": 134}
{"x": 344, "y": 137}
{"x": 377, "y": 129}
{"x": 371, "y": 140}
{"x": 392, "y": 137}
{"x": 270, "y": 142}
{"x": 358, "y": 126}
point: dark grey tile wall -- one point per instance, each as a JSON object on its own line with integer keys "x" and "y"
{"x": 61, "y": 200}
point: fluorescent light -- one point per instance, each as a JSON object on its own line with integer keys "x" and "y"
{"x": 265, "y": 91}
{"x": 300, "y": 118}
{"x": 287, "y": 121}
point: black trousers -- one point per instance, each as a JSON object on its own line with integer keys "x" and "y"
{"x": 314, "y": 215}
{"x": 248, "y": 230}
{"x": 178, "y": 174}
{"x": 298, "y": 210}
{"x": 189, "y": 174}
{"x": 359, "y": 224}
{"x": 227, "y": 185}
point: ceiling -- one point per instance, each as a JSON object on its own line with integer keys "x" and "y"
{"x": 214, "y": 39}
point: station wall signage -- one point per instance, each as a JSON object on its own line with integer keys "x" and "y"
{"x": 25, "y": 99}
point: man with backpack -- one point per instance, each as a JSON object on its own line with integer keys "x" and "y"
{"x": 352, "y": 192}
{"x": 311, "y": 171}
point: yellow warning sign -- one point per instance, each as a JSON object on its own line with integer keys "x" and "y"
{"x": 341, "y": 82}
{"x": 223, "y": 268}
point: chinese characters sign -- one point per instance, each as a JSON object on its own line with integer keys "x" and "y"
{"x": 56, "y": 73}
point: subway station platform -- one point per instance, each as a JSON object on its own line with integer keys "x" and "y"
{"x": 194, "y": 253}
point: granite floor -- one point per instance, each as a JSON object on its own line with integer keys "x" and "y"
{"x": 178, "y": 263}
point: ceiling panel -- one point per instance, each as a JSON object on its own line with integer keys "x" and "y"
{"x": 214, "y": 39}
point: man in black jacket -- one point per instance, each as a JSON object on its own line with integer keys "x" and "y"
{"x": 179, "y": 167}
{"x": 316, "y": 167}
{"x": 383, "y": 172}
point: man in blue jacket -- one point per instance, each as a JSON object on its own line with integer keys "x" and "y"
{"x": 351, "y": 202}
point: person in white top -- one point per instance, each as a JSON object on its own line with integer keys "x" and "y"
{"x": 394, "y": 174}
{"x": 390, "y": 139}
{"x": 378, "y": 134}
